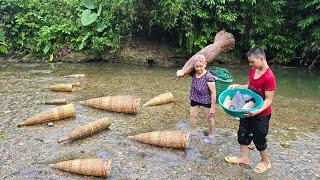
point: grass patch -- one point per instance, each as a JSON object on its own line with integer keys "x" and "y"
{"x": 2, "y": 136}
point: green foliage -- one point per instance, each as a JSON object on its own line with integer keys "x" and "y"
{"x": 3, "y": 45}
{"x": 284, "y": 28}
{"x": 88, "y": 17}
{"x": 281, "y": 27}
{"x": 2, "y": 136}
{"x": 43, "y": 27}
{"x": 88, "y": 4}
{"x": 309, "y": 25}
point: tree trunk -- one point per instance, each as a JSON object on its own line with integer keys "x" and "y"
{"x": 223, "y": 41}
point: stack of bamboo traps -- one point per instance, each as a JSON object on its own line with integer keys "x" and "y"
{"x": 89, "y": 167}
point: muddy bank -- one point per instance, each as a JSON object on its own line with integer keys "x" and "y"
{"x": 26, "y": 152}
{"x": 139, "y": 52}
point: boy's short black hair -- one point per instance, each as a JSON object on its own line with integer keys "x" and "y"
{"x": 256, "y": 52}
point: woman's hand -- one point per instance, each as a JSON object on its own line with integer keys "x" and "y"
{"x": 180, "y": 73}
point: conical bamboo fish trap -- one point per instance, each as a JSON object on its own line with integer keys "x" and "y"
{"x": 125, "y": 104}
{"x": 77, "y": 84}
{"x": 76, "y": 76}
{"x": 88, "y": 129}
{"x": 160, "y": 99}
{"x": 90, "y": 167}
{"x": 53, "y": 114}
{"x": 57, "y": 101}
{"x": 63, "y": 87}
{"x": 223, "y": 41}
{"x": 172, "y": 139}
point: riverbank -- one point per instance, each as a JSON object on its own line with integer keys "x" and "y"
{"x": 139, "y": 52}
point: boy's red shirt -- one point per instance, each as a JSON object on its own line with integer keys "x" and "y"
{"x": 266, "y": 82}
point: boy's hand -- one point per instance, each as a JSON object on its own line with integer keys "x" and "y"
{"x": 233, "y": 86}
{"x": 253, "y": 113}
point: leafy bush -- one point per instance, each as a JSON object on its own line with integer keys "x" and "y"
{"x": 288, "y": 30}
{"x": 43, "y": 27}
{"x": 3, "y": 45}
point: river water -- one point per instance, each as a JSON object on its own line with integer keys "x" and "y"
{"x": 25, "y": 152}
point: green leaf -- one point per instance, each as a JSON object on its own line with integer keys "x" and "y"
{"x": 99, "y": 10}
{"x": 101, "y": 27}
{"x": 47, "y": 48}
{"x": 88, "y": 4}
{"x": 307, "y": 22}
{"x": 2, "y": 36}
{"x": 3, "y": 48}
{"x": 50, "y": 58}
{"x": 88, "y": 18}
{"x": 84, "y": 41}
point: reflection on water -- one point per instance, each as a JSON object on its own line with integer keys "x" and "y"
{"x": 26, "y": 152}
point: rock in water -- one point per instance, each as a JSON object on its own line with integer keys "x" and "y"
{"x": 238, "y": 101}
{"x": 285, "y": 144}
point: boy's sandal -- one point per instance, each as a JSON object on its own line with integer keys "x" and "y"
{"x": 261, "y": 167}
{"x": 231, "y": 159}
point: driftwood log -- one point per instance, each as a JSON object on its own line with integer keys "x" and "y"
{"x": 223, "y": 41}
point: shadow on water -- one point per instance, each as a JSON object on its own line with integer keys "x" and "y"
{"x": 26, "y": 152}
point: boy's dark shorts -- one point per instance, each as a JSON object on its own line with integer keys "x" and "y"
{"x": 254, "y": 128}
{"x": 194, "y": 103}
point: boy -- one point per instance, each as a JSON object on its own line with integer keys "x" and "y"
{"x": 263, "y": 82}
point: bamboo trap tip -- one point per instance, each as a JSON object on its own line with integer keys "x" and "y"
{"x": 62, "y": 139}
{"x": 52, "y": 165}
{"x": 21, "y": 124}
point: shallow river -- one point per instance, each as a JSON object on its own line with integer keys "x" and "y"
{"x": 25, "y": 152}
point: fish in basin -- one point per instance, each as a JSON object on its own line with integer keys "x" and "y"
{"x": 238, "y": 101}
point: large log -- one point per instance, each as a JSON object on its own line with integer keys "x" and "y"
{"x": 223, "y": 41}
